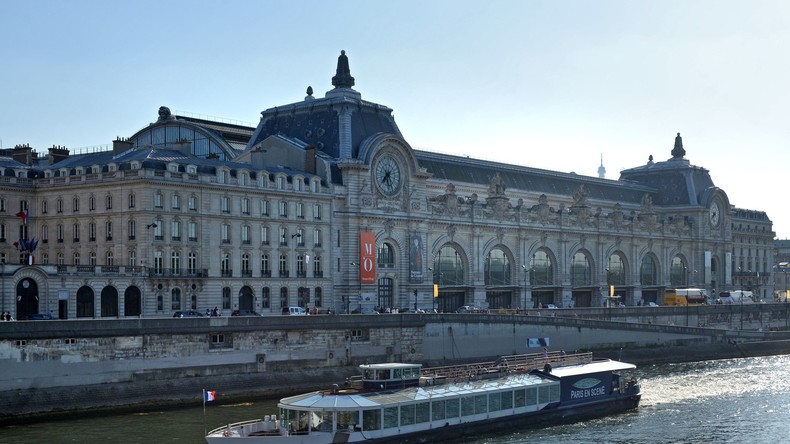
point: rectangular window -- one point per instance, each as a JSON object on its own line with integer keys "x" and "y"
{"x": 283, "y": 206}
{"x": 317, "y": 211}
{"x": 300, "y": 210}
{"x": 264, "y": 207}
{"x": 245, "y": 206}
{"x": 265, "y": 235}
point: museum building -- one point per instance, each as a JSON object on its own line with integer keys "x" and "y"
{"x": 325, "y": 204}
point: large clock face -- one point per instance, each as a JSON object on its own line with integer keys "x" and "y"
{"x": 388, "y": 176}
{"x": 714, "y": 214}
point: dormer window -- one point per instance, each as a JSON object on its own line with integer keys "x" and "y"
{"x": 280, "y": 182}
{"x": 192, "y": 169}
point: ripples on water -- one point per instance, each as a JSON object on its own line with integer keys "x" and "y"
{"x": 726, "y": 401}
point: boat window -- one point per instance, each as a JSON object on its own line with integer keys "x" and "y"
{"x": 532, "y": 396}
{"x": 371, "y": 419}
{"x": 325, "y": 421}
{"x": 390, "y": 417}
{"x": 346, "y": 420}
{"x": 452, "y": 408}
{"x": 520, "y": 398}
{"x": 467, "y": 406}
{"x": 507, "y": 400}
{"x": 543, "y": 394}
{"x": 368, "y": 373}
{"x": 494, "y": 402}
{"x": 397, "y": 373}
{"x": 437, "y": 410}
{"x": 481, "y": 404}
{"x": 554, "y": 393}
{"x": 423, "y": 412}
{"x": 383, "y": 374}
{"x": 407, "y": 414}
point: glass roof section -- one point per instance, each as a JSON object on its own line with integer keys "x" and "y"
{"x": 322, "y": 401}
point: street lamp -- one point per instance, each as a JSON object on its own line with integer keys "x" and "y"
{"x": 526, "y": 270}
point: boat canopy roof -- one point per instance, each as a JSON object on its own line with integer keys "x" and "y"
{"x": 325, "y": 401}
{"x": 604, "y": 365}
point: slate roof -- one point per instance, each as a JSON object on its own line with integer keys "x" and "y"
{"x": 458, "y": 169}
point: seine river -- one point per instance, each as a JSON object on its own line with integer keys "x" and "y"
{"x": 726, "y": 401}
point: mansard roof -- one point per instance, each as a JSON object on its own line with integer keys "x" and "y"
{"x": 318, "y": 122}
{"x": 458, "y": 170}
{"x": 676, "y": 181}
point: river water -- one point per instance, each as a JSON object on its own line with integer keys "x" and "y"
{"x": 724, "y": 401}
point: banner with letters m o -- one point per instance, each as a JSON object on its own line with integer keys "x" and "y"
{"x": 367, "y": 257}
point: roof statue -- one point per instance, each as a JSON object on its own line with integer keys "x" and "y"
{"x": 496, "y": 188}
{"x": 165, "y": 114}
{"x": 678, "y": 152}
{"x": 342, "y": 78}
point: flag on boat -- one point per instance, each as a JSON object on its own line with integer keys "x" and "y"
{"x": 209, "y": 395}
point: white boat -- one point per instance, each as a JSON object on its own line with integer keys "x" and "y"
{"x": 404, "y": 402}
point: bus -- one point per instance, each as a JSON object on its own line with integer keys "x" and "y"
{"x": 685, "y": 296}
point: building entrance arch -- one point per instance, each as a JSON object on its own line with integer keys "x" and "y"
{"x": 26, "y": 298}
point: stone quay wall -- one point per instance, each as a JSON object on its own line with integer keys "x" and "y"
{"x": 54, "y": 367}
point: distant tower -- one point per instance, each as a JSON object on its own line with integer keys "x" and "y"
{"x": 601, "y": 169}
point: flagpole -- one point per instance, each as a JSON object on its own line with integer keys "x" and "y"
{"x": 204, "y": 412}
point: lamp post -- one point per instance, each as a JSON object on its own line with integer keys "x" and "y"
{"x": 526, "y": 276}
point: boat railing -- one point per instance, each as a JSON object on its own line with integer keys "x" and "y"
{"x": 505, "y": 365}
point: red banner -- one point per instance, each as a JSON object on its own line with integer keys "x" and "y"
{"x": 367, "y": 257}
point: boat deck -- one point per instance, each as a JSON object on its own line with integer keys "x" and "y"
{"x": 505, "y": 365}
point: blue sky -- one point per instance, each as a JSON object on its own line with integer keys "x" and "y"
{"x": 548, "y": 84}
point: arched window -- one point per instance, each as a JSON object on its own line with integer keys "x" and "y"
{"x": 226, "y": 298}
{"x": 175, "y": 299}
{"x": 677, "y": 272}
{"x": 581, "y": 271}
{"x": 615, "y": 271}
{"x": 541, "y": 269}
{"x": 648, "y": 272}
{"x": 319, "y": 297}
{"x": 266, "y": 297}
{"x": 386, "y": 256}
{"x": 448, "y": 267}
{"x": 284, "y": 297}
{"x": 497, "y": 268}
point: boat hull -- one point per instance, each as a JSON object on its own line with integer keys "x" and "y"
{"x": 559, "y": 414}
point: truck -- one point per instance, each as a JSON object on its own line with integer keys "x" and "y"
{"x": 685, "y": 296}
{"x": 736, "y": 297}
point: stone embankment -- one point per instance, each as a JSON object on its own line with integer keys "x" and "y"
{"x": 56, "y": 367}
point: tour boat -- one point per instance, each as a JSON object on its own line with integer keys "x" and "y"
{"x": 400, "y": 402}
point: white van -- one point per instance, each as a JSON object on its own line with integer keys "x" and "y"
{"x": 297, "y": 311}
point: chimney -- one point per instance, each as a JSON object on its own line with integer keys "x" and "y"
{"x": 23, "y": 154}
{"x": 56, "y": 154}
{"x": 309, "y": 161}
{"x": 184, "y": 147}
{"x": 120, "y": 145}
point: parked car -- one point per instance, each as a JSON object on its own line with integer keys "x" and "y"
{"x": 467, "y": 309}
{"x": 652, "y": 304}
{"x": 187, "y": 314}
{"x": 295, "y": 311}
{"x": 551, "y": 306}
{"x": 40, "y": 317}
{"x": 244, "y": 313}
{"x": 364, "y": 311}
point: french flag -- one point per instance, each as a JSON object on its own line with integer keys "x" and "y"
{"x": 209, "y": 395}
{"x": 23, "y": 215}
